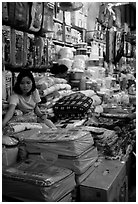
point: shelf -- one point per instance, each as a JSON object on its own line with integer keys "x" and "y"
{"x": 62, "y": 43}
{"x": 27, "y": 30}
{"x": 12, "y": 68}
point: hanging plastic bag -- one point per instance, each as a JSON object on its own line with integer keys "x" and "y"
{"x": 19, "y": 14}
{"x": 36, "y": 16}
{"x": 5, "y": 12}
{"x": 47, "y": 24}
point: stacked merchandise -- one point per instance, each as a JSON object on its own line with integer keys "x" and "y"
{"x": 75, "y": 105}
{"x": 124, "y": 134}
{"x": 78, "y": 105}
{"x": 36, "y": 180}
{"x": 105, "y": 140}
{"x": 51, "y": 89}
{"x": 70, "y": 148}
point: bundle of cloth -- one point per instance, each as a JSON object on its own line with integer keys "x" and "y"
{"x": 80, "y": 104}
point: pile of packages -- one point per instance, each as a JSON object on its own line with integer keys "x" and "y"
{"x": 55, "y": 161}
{"x": 118, "y": 134}
{"x": 36, "y": 180}
{"x": 51, "y": 89}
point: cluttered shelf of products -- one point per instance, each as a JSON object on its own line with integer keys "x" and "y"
{"x": 86, "y": 157}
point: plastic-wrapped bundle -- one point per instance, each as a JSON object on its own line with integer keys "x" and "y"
{"x": 79, "y": 164}
{"x": 19, "y": 127}
{"x": 37, "y": 181}
{"x": 70, "y": 142}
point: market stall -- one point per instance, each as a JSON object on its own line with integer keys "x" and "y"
{"x": 87, "y": 86}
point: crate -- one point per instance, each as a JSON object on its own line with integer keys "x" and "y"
{"x": 108, "y": 183}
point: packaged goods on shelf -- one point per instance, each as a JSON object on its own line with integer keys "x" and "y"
{"x": 47, "y": 22}
{"x": 17, "y": 57}
{"x": 6, "y": 33}
{"x": 36, "y": 16}
{"x": 65, "y": 52}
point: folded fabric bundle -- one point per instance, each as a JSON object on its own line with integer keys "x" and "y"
{"x": 73, "y": 105}
{"x": 35, "y": 181}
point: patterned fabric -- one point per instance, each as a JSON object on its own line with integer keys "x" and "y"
{"x": 74, "y": 105}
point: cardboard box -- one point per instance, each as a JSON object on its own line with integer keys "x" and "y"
{"x": 107, "y": 183}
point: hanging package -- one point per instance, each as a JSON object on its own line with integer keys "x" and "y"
{"x": 47, "y": 24}
{"x": 36, "y": 16}
{"x": 17, "y": 47}
{"x": 4, "y": 12}
{"x": 19, "y": 14}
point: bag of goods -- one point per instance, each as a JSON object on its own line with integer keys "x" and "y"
{"x": 47, "y": 20}
{"x": 19, "y": 127}
{"x": 19, "y": 14}
{"x": 65, "y": 53}
{"x": 36, "y": 16}
{"x": 9, "y": 150}
{"x": 96, "y": 100}
{"x": 78, "y": 63}
{"x": 37, "y": 181}
{"x": 98, "y": 109}
{"x": 9, "y": 141}
{"x": 27, "y": 117}
{"x": 54, "y": 88}
{"x": 9, "y": 155}
{"x": 5, "y": 16}
{"x": 79, "y": 164}
{"x": 69, "y": 142}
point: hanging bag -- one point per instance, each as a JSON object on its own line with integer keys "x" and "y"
{"x": 4, "y": 12}
{"x": 19, "y": 14}
{"x": 47, "y": 21}
{"x": 36, "y": 16}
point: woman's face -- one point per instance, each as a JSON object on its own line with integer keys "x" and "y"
{"x": 26, "y": 85}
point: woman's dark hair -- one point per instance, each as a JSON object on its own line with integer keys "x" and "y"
{"x": 24, "y": 73}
